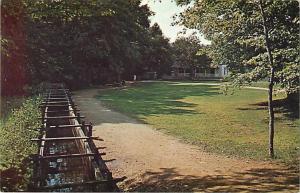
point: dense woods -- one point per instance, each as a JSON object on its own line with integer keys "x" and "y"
{"x": 78, "y": 42}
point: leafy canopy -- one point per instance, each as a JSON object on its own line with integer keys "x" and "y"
{"x": 236, "y": 31}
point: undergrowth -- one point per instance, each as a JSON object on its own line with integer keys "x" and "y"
{"x": 16, "y": 147}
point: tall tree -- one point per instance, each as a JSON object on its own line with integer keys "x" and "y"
{"x": 188, "y": 55}
{"x": 256, "y": 39}
{"x": 82, "y": 42}
{"x": 158, "y": 55}
{"x": 13, "y": 48}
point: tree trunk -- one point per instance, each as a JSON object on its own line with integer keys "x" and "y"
{"x": 271, "y": 82}
{"x": 271, "y": 114}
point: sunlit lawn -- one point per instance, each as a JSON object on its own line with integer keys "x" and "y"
{"x": 229, "y": 124}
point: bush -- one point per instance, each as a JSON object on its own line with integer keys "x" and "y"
{"x": 16, "y": 147}
{"x": 9, "y": 103}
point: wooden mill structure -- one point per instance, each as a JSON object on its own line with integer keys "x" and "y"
{"x": 67, "y": 159}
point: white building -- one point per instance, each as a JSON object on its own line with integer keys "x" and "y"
{"x": 181, "y": 73}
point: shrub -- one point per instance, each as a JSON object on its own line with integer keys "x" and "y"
{"x": 15, "y": 145}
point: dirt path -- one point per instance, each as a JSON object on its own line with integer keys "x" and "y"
{"x": 153, "y": 161}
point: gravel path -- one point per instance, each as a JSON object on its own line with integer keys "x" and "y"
{"x": 153, "y": 161}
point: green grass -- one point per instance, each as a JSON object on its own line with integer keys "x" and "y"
{"x": 264, "y": 84}
{"x": 229, "y": 124}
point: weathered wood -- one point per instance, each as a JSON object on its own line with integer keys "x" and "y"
{"x": 80, "y": 133}
{"x": 55, "y": 102}
{"x": 68, "y": 105}
{"x": 62, "y": 117}
{"x": 78, "y": 119}
{"x": 63, "y": 89}
{"x": 67, "y": 156}
{"x": 83, "y": 128}
{"x": 61, "y": 98}
{"x": 68, "y": 126}
{"x": 90, "y": 130}
{"x": 62, "y": 138}
{"x": 75, "y": 184}
{"x": 57, "y": 95}
{"x": 60, "y": 92}
{"x": 62, "y": 111}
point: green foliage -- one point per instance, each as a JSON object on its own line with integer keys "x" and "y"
{"x": 238, "y": 39}
{"x": 158, "y": 54}
{"x": 226, "y": 88}
{"x": 88, "y": 42}
{"x": 12, "y": 48}
{"x": 187, "y": 53}
{"x": 15, "y": 144}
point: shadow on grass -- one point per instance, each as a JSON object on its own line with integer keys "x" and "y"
{"x": 280, "y": 106}
{"x": 253, "y": 180}
{"x": 158, "y": 98}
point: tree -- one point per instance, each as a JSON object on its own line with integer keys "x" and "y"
{"x": 158, "y": 54}
{"x": 187, "y": 53}
{"x": 256, "y": 39}
{"x": 13, "y": 48}
{"x": 81, "y": 42}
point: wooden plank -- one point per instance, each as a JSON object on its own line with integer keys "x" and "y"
{"x": 57, "y": 91}
{"x": 58, "y": 95}
{"x": 61, "y": 126}
{"x": 62, "y": 117}
{"x": 67, "y": 126}
{"x": 51, "y": 89}
{"x": 61, "y": 138}
{"x": 62, "y": 111}
{"x": 57, "y": 98}
{"x": 67, "y": 156}
{"x": 62, "y": 95}
{"x": 69, "y": 105}
{"x": 53, "y": 93}
{"x": 56, "y": 102}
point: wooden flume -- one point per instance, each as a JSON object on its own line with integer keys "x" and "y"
{"x": 68, "y": 159}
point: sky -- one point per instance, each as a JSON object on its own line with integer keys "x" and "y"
{"x": 164, "y": 11}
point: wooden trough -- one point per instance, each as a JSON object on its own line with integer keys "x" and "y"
{"x": 68, "y": 160}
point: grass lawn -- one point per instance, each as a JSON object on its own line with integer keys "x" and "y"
{"x": 263, "y": 84}
{"x": 234, "y": 125}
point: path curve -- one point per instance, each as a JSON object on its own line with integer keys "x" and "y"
{"x": 153, "y": 161}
